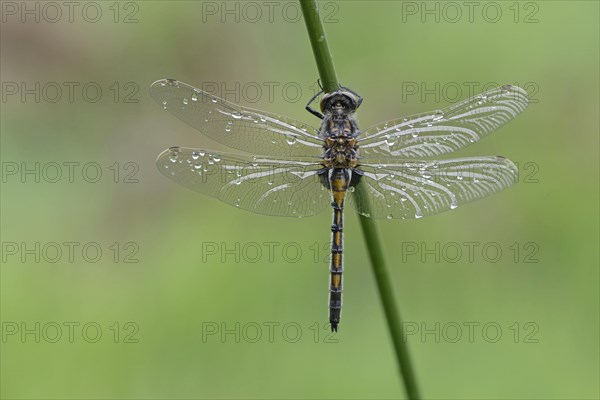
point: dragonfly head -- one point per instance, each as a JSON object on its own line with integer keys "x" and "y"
{"x": 339, "y": 102}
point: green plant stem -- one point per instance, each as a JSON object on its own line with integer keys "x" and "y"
{"x": 318, "y": 41}
{"x": 371, "y": 234}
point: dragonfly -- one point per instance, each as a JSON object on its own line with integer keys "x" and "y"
{"x": 283, "y": 167}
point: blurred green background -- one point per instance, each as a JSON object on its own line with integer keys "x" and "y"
{"x": 162, "y": 317}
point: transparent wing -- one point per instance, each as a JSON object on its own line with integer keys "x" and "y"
{"x": 235, "y": 126}
{"x": 264, "y": 186}
{"x": 444, "y": 131}
{"x": 416, "y": 189}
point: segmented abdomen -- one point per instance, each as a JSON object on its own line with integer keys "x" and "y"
{"x": 339, "y": 180}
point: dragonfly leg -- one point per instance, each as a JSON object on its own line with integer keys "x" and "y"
{"x": 314, "y": 112}
{"x": 311, "y": 110}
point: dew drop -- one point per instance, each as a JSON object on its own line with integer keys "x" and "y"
{"x": 291, "y": 139}
{"x": 185, "y": 100}
{"x": 194, "y": 96}
{"x": 174, "y": 154}
{"x": 195, "y": 155}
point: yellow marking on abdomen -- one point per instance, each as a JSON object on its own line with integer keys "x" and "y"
{"x": 336, "y": 280}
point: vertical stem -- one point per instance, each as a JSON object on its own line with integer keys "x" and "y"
{"x": 371, "y": 235}
{"x": 318, "y": 41}
{"x": 386, "y": 295}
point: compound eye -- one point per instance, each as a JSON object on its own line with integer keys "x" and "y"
{"x": 329, "y": 102}
{"x": 324, "y": 103}
{"x": 351, "y": 105}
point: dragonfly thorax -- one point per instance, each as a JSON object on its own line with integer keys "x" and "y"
{"x": 340, "y": 152}
{"x": 339, "y": 129}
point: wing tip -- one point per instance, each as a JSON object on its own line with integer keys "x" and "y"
{"x": 516, "y": 93}
{"x": 513, "y": 169}
{"x": 165, "y": 82}
{"x": 156, "y": 86}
